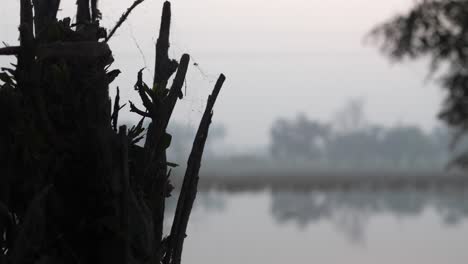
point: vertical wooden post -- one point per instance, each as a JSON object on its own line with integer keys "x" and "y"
{"x": 83, "y": 14}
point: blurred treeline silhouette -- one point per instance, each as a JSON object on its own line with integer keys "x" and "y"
{"x": 350, "y": 141}
{"x": 346, "y": 142}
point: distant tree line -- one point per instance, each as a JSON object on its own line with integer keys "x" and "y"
{"x": 349, "y": 140}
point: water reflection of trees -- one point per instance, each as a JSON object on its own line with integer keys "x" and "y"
{"x": 210, "y": 202}
{"x": 350, "y": 211}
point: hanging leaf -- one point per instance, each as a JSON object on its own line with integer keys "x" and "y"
{"x": 112, "y": 75}
{"x": 172, "y": 165}
{"x": 166, "y": 140}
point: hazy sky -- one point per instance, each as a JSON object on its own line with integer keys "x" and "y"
{"x": 281, "y": 57}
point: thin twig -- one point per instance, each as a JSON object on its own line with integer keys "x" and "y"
{"x": 176, "y": 88}
{"x": 123, "y": 18}
{"x": 132, "y": 35}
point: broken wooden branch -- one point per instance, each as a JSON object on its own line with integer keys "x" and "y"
{"x": 140, "y": 88}
{"x": 164, "y": 114}
{"x": 189, "y": 187}
{"x": 164, "y": 67}
{"x": 176, "y": 88}
{"x": 117, "y": 108}
{"x": 135, "y": 109}
{"x": 155, "y": 174}
{"x": 155, "y": 153}
{"x": 26, "y": 53}
{"x": 83, "y": 15}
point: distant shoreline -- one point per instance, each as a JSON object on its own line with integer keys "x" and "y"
{"x": 332, "y": 181}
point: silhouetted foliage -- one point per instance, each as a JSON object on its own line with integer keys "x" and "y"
{"x": 75, "y": 187}
{"x": 437, "y": 29}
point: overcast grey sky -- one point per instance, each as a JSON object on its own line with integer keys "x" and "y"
{"x": 281, "y": 57}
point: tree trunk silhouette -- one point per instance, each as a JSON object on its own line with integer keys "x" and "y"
{"x": 74, "y": 186}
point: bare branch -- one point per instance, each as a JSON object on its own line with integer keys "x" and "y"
{"x": 164, "y": 67}
{"x": 176, "y": 88}
{"x": 123, "y": 18}
{"x": 115, "y": 113}
{"x": 135, "y": 109}
{"x": 189, "y": 187}
{"x": 140, "y": 87}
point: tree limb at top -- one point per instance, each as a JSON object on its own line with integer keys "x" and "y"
{"x": 164, "y": 67}
{"x": 45, "y": 12}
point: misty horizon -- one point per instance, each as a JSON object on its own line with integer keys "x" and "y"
{"x": 285, "y": 55}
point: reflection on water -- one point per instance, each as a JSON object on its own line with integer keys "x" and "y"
{"x": 207, "y": 203}
{"x": 350, "y": 211}
{"x": 357, "y": 226}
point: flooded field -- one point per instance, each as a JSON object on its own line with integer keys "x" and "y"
{"x": 409, "y": 225}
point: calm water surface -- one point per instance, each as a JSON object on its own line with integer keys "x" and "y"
{"x": 406, "y": 226}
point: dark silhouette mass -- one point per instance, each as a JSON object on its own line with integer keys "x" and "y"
{"x": 75, "y": 187}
